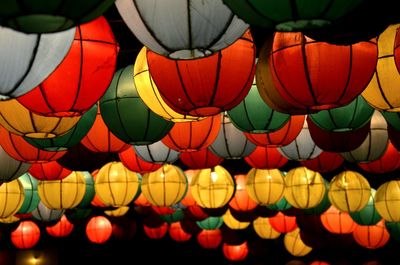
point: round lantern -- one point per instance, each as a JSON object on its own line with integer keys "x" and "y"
{"x": 89, "y": 190}
{"x": 176, "y": 232}
{"x": 82, "y": 77}
{"x": 11, "y": 168}
{"x": 44, "y": 214}
{"x": 367, "y": 215}
{"x": 387, "y": 200}
{"x": 200, "y": 159}
{"x": 210, "y": 223}
{"x": 294, "y": 245}
{"x": 31, "y": 199}
{"x": 195, "y": 29}
{"x": 157, "y": 152}
{"x": 324, "y": 162}
{"x": 11, "y": 197}
{"x": 266, "y": 158}
{"x": 388, "y": 162}
{"x": 371, "y": 236}
{"x": 26, "y": 235}
{"x": 165, "y": 186}
{"x": 209, "y": 85}
{"x": 235, "y": 252}
{"x": 98, "y": 229}
{"x": 241, "y": 201}
{"x": 49, "y": 171}
{"x": 337, "y": 222}
{"x": 349, "y": 191}
{"x": 136, "y": 123}
{"x": 209, "y": 239}
{"x": 232, "y": 223}
{"x": 48, "y": 16}
{"x": 124, "y": 228}
{"x": 283, "y": 223}
{"x": 116, "y": 185}
{"x": 156, "y": 232}
{"x": 133, "y": 162}
{"x": 212, "y": 187}
{"x": 264, "y": 230}
{"x": 62, "y": 228}
{"x": 27, "y": 59}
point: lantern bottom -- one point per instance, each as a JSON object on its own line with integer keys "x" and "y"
{"x": 190, "y": 54}
{"x": 302, "y": 24}
{"x": 205, "y": 111}
{"x": 40, "y": 23}
{"x": 40, "y": 135}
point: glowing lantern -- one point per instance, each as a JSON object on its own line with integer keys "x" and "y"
{"x": 27, "y": 59}
{"x": 61, "y": 229}
{"x": 283, "y": 223}
{"x": 11, "y": 197}
{"x": 241, "y": 201}
{"x": 368, "y": 215}
{"x": 31, "y": 199}
{"x": 200, "y": 159}
{"x": 266, "y": 158}
{"x": 134, "y": 163}
{"x": 231, "y": 222}
{"x": 263, "y": 229}
{"x": 371, "y": 236}
{"x": 157, "y": 152}
{"x": 26, "y": 235}
{"x": 188, "y": 200}
{"x": 210, "y": 223}
{"x": 235, "y": 252}
{"x": 116, "y": 185}
{"x": 294, "y": 245}
{"x": 44, "y": 214}
{"x": 49, "y": 171}
{"x": 388, "y": 162}
{"x": 209, "y": 239}
{"x": 156, "y": 232}
{"x": 337, "y": 222}
{"x": 176, "y": 232}
{"x": 323, "y": 205}
{"x": 324, "y": 162}
{"x": 11, "y": 168}
{"x": 387, "y": 200}
{"x": 98, "y": 229}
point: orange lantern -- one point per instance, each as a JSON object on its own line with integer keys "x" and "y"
{"x": 156, "y": 232}
{"x": 61, "y": 229}
{"x": 188, "y": 200}
{"x": 371, "y": 236}
{"x": 266, "y": 158}
{"x": 134, "y": 163}
{"x": 241, "y": 200}
{"x": 26, "y": 235}
{"x": 283, "y": 223}
{"x": 209, "y": 239}
{"x": 49, "y": 171}
{"x": 177, "y": 233}
{"x": 235, "y": 252}
{"x": 98, "y": 229}
{"x": 337, "y": 222}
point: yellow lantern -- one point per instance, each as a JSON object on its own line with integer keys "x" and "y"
{"x": 19, "y": 120}
{"x": 165, "y": 186}
{"x": 120, "y": 211}
{"x": 212, "y": 187}
{"x": 11, "y": 198}
{"x": 149, "y": 93}
{"x": 349, "y": 191}
{"x": 66, "y": 193}
{"x": 232, "y": 223}
{"x": 265, "y": 186}
{"x": 116, "y": 185}
{"x": 263, "y": 228}
{"x": 304, "y": 188}
{"x": 387, "y": 201}
{"x": 9, "y": 220}
{"x": 294, "y": 245}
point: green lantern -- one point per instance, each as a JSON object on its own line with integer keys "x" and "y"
{"x": 78, "y": 215}
{"x": 368, "y": 215}
{"x": 323, "y": 205}
{"x": 291, "y": 15}
{"x": 393, "y": 229}
{"x": 89, "y": 192}
{"x": 281, "y": 205}
{"x": 126, "y": 115}
{"x": 393, "y": 118}
{"x": 253, "y": 115}
{"x": 210, "y": 223}
{"x": 347, "y": 118}
{"x": 71, "y": 138}
{"x": 31, "y": 200}
{"x": 47, "y": 16}
{"x": 174, "y": 217}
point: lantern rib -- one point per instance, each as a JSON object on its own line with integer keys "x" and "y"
{"x": 339, "y": 100}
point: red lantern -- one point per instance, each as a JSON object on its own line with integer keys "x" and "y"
{"x": 283, "y": 223}
{"x": 235, "y": 252}
{"x": 389, "y": 162}
{"x": 26, "y": 235}
{"x": 209, "y": 239}
{"x": 96, "y": 201}
{"x": 371, "y": 236}
{"x": 98, "y": 229}
{"x": 337, "y": 222}
{"x": 241, "y": 200}
{"x": 177, "y": 233}
{"x": 49, "y": 171}
{"x": 162, "y": 210}
{"x": 134, "y": 163}
{"x": 266, "y": 158}
{"x": 324, "y": 162}
{"x": 82, "y": 77}
{"x": 196, "y": 212}
{"x": 200, "y": 159}
{"x": 124, "y": 228}
{"x": 61, "y": 229}
{"x": 156, "y": 232}
{"x": 142, "y": 201}
{"x": 208, "y": 85}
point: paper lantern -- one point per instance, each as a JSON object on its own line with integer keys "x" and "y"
{"x": 195, "y": 29}
{"x": 188, "y": 200}
{"x": 209, "y": 239}
{"x": 31, "y": 198}
{"x": 29, "y": 59}
{"x": 118, "y": 212}
{"x": 283, "y": 223}
{"x": 294, "y": 245}
{"x": 11, "y": 168}
{"x": 49, "y": 171}
{"x": 157, "y": 152}
{"x": 142, "y": 201}
{"x": 11, "y": 198}
{"x": 232, "y": 223}
{"x": 322, "y": 206}
{"x": 98, "y": 229}
{"x": 200, "y": 159}
{"x": 156, "y": 232}
{"x": 210, "y": 223}
{"x": 165, "y": 186}
{"x": 265, "y": 186}
{"x": 235, "y": 252}
{"x": 371, "y": 236}
{"x": 209, "y": 85}
{"x": 264, "y": 230}
{"x": 89, "y": 190}
{"x": 26, "y": 235}
{"x": 304, "y": 188}
{"x": 367, "y": 215}
{"x": 135, "y": 163}
{"x": 387, "y": 201}
{"x": 337, "y": 222}
{"x": 241, "y": 201}
{"x": 388, "y": 162}
{"x": 212, "y": 187}
{"x": 116, "y": 185}
{"x": 324, "y": 162}
{"x": 266, "y": 158}
{"x": 49, "y": 16}
{"x": 44, "y": 214}
{"x": 177, "y": 234}
{"x": 349, "y": 191}
{"x": 62, "y": 228}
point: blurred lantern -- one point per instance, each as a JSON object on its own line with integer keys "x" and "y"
{"x": 393, "y": 229}
{"x": 367, "y": 215}
{"x": 209, "y": 85}
{"x": 31, "y": 198}
{"x": 89, "y": 190}
{"x": 371, "y": 236}
{"x": 156, "y": 232}
{"x": 82, "y": 77}
{"x": 26, "y": 235}
{"x": 136, "y": 123}
{"x": 141, "y": 201}
{"x": 241, "y": 201}
{"x": 210, "y": 223}
{"x": 66, "y": 193}
{"x": 135, "y": 163}
{"x": 118, "y": 212}
{"x": 157, "y": 152}
{"x": 337, "y": 222}
{"x": 78, "y": 215}
{"x": 266, "y": 158}
{"x": 196, "y": 29}
{"x": 27, "y": 59}
{"x": 165, "y": 186}
{"x": 48, "y": 16}
{"x": 231, "y": 222}
{"x": 209, "y": 239}
{"x": 11, "y": 197}
{"x": 304, "y": 188}
{"x": 265, "y": 186}
{"x": 263, "y": 229}
{"x": 116, "y": 185}
{"x": 231, "y": 143}
{"x": 387, "y": 200}
{"x": 188, "y": 200}
{"x": 324, "y": 162}
{"x": 200, "y": 159}
{"x": 212, "y": 187}
{"x": 392, "y": 118}
{"x": 283, "y": 223}
{"x": 98, "y": 229}
{"x": 176, "y": 232}
{"x": 124, "y": 228}
{"x": 44, "y": 214}
{"x": 49, "y": 171}
{"x": 96, "y": 201}
{"x": 294, "y": 245}
{"x": 9, "y": 220}
{"x": 349, "y": 191}
{"x": 235, "y": 252}
{"x": 11, "y": 168}
{"x": 388, "y": 162}
{"x": 62, "y": 228}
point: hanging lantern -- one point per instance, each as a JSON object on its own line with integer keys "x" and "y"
{"x": 124, "y": 228}
{"x": 367, "y": 215}
{"x": 156, "y": 232}
{"x": 195, "y": 29}
{"x": 11, "y": 168}
{"x": 387, "y": 201}
{"x": 349, "y": 191}
{"x": 188, "y": 200}
{"x": 11, "y": 197}
{"x": 235, "y": 252}
{"x": 62, "y": 228}
{"x": 134, "y": 163}
{"x": 49, "y": 171}
{"x": 209, "y": 85}
{"x": 157, "y": 152}
{"x": 210, "y": 223}
{"x": 283, "y": 223}
{"x": 116, "y": 185}
{"x": 31, "y": 198}
{"x": 371, "y": 236}
{"x": 44, "y": 214}
{"x": 89, "y": 190}
{"x": 26, "y": 235}
{"x": 98, "y": 229}
{"x": 324, "y": 162}
{"x": 27, "y": 59}
{"x": 232, "y": 223}
{"x": 266, "y": 158}
{"x": 294, "y": 245}
{"x": 176, "y": 232}
{"x": 337, "y": 222}
{"x": 209, "y": 239}
{"x": 241, "y": 201}
{"x": 200, "y": 159}
{"x": 264, "y": 230}
{"x": 388, "y": 162}
{"x": 96, "y": 201}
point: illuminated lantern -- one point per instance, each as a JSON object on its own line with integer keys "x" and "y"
{"x": 388, "y": 162}
{"x": 82, "y": 77}
{"x": 49, "y": 171}
{"x": 209, "y": 85}
{"x": 283, "y": 223}
{"x": 200, "y": 159}
{"x": 196, "y": 29}
{"x": 11, "y": 197}
{"x": 156, "y": 232}
{"x": 349, "y": 191}
{"x": 294, "y": 245}
{"x": 62, "y": 228}
{"x": 235, "y": 252}
{"x": 165, "y": 186}
{"x": 231, "y": 143}
{"x": 371, "y": 236}
{"x": 31, "y": 199}
{"x": 89, "y": 190}
{"x": 266, "y": 158}
{"x": 29, "y": 59}
{"x": 49, "y": 16}
{"x": 265, "y": 186}
{"x": 241, "y": 201}
{"x": 210, "y": 223}
{"x": 209, "y": 239}
{"x": 134, "y": 163}
{"x": 387, "y": 200}
{"x": 212, "y": 187}
{"x": 66, "y": 193}
{"x": 231, "y": 222}
{"x": 324, "y": 162}
{"x": 26, "y": 235}
{"x": 337, "y": 222}
{"x": 11, "y": 168}
{"x": 188, "y": 200}
{"x": 141, "y": 201}
{"x": 9, "y": 220}
{"x": 116, "y": 185}
{"x": 157, "y": 152}
{"x": 98, "y": 229}
{"x": 44, "y": 214}
{"x": 118, "y": 212}
{"x": 176, "y": 232}
{"x": 264, "y": 230}
{"x": 367, "y": 215}
{"x": 136, "y": 123}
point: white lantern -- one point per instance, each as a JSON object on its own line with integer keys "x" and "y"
{"x": 44, "y": 214}
{"x": 10, "y": 168}
{"x": 157, "y": 152}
